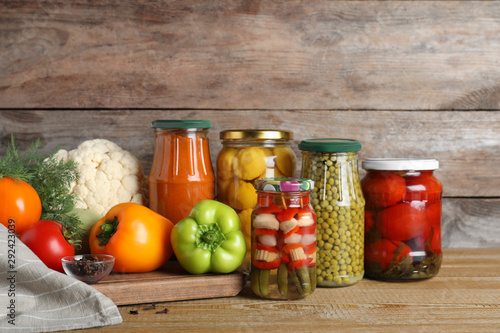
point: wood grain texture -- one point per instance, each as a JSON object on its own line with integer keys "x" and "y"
{"x": 466, "y": 144}
{"x": 470, "y": 223}
{"x": 250, "y": 54}
{"x": 463, "y": 297}
{"x": 388, "y": 73}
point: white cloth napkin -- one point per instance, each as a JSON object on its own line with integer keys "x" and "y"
{"x": 34, "y": 298}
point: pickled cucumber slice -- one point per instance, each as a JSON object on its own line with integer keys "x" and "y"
{"x": 302, "y": 281}
{"x": 254, "y": 280}
{"x": 305, "y": 280}
{"x": 264, "y": 281}
{"x": 283, "y": 279}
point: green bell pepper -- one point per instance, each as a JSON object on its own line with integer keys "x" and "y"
{"x": 209, "y": 239}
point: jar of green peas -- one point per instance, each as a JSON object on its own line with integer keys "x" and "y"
{"x": 339, "y": 205}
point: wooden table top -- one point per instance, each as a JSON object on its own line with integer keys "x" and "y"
{"x": 463, "y": 297}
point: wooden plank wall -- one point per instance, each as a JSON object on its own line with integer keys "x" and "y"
{"x": 406, "y": 78}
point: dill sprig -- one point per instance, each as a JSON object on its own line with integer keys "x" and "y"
{"x": 51, "y": 178}
{"x": 16, "y": 166}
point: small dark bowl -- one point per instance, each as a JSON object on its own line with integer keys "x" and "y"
{"x": 89, "y": 268}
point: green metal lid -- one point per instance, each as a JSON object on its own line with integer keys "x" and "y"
{"x": 284, "y": 184}
{"x": 185, "y": 123}
{"x": 330, "y": 145}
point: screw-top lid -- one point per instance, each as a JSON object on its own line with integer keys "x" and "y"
{"x": 400, "y": 164}
{"x": 185, "y": 123}
{"x": 261, "y": 134}
{"x": 284, "y": 184}
{"x": 330, "y": 145}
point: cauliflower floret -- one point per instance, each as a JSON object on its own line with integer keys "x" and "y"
{"x": 107, "y": 175}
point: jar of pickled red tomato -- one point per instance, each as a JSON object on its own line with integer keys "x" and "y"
{"x": 283, "y": 239}
{"x": 246, "y": 156}
{"x": 181, "y": 174}
{"x": 339, "y": 204}
{"x": 402, "y": 219}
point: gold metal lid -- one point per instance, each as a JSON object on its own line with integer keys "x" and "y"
{"x": 259, "y": 134}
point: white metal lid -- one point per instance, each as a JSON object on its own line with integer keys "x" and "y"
{"x": 400, "y": 164}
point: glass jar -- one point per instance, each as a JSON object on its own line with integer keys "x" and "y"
{"x": 181, "y": 174}
{"x": 283, "y": 239}
{"x": 246, "y": 156}
{"x": 403, "y": 218}
{"x": 339, "y": 204}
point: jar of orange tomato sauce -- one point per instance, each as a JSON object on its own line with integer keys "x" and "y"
{"x": 402, "y": 218}
{"x": 181, "y": 174}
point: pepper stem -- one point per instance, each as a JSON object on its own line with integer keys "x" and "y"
{"x": 108, "y": 229}
{"x": 209, "y": 237}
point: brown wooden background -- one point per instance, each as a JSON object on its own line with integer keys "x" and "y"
{"x": 406, "y": 78}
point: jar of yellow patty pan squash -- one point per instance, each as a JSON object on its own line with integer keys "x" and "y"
{"x": 246, "y": 156}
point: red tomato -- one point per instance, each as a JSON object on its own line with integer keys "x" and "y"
{"x": 45, "y": 238}
{"x": 382, "y": 252}
{"x": 434, "y": 213}
{"x": 435, "y": 243}
{"x": 20, "y": 205}
{"x": 403, "y": 221}
{"x": 423, "y": 187}
{"x": 369, "y": 220}
{"x": 423, "y": 242}
{"x": 383, "y": 188}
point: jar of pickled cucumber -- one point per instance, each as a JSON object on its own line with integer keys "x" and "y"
{"x": 339, "y": 205}
{"x": 283, "y": 239}
{"x": 402, "y": 218}
{"x": 246, "y": 156}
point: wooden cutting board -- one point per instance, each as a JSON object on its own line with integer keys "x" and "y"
{"x": 169, "y": 283}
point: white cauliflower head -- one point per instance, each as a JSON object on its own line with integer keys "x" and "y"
{"x": 107, "y": 175}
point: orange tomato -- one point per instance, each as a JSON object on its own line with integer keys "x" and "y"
{"x": 20, "y": 205}
{"x": 136, "y": 236}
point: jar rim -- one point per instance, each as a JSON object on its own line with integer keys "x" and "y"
{"x": 400, "y": 164}
{"x": 181, "y": 123}
{"x": 284, "y": 184}
{"x": 260, "y": 134}
{"x": 330, "y": 145}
